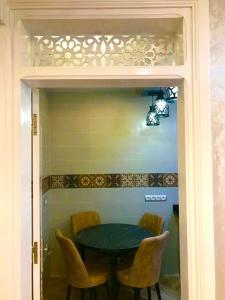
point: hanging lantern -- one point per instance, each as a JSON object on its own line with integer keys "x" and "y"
{"x": 152, "y": 118}
{"x": 171, "y": 94}
{"x": 161, "y": 107}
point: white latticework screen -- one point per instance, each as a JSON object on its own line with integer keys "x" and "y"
{"x": 106, "y": 50}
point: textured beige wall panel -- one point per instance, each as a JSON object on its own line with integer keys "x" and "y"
{"x": 217, "y": 15}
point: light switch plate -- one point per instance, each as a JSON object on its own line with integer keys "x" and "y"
{"x": 155, "y": 198}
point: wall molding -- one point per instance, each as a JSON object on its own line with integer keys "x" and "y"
{"x": 88, "y": 4}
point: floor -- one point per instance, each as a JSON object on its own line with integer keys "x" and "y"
{"x": 56, "y": 290}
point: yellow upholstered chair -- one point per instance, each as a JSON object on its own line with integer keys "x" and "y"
{"x": 145, "y": 269}
{"x": 80, "y": 275}
{"x": 152, "y": 222}
{"x": 84, "y": 219}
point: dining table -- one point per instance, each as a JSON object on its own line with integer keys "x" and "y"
{"x": 114, "y": 240}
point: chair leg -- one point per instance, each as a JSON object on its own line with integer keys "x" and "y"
{"x": 68, "y": 292}
{"x": 95, "y": 293}
{"x": 149, "y": 293}
{"x": 107, "y": 290}
{"x": 158, "y": 291}
{"x": 117, "y": 289}
{"x": 91, "y": 293}
{"x": 82, "y": 291}
{"x": 137, "y": 294}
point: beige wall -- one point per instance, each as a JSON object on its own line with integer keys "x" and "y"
{"x": 217, "y": 14}
{"x": 103, "y": 131}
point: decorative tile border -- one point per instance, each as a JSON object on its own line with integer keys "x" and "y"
{"x": 125, "y": 180}
{"x": 45, "y": 184}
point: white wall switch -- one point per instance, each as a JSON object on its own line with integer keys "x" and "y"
{"x": 147, "y": 197}
{"x": 155, "y": 198}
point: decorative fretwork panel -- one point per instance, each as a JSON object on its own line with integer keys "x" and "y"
{"x": 105, "y": 50}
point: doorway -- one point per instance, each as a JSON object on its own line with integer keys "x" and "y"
{"x": 191, "y": 143}
{"x": 92, "y": 133}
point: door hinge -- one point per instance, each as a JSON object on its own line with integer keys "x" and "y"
{"x": 35, "y": 253}
{"x": 34, "y": 124}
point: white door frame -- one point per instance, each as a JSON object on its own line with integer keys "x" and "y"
{"x": 195, "y": 154}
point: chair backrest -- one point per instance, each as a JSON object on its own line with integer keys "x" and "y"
{"x": 84, "y": 219}
{"x": 152, "y": 222}
{"x": 77, "y": 272}
{"x": 145, "y": 270}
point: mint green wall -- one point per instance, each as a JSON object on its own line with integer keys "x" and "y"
{"x": 104, "y": 131}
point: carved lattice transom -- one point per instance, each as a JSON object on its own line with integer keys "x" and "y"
{"x": 106, "y": 50}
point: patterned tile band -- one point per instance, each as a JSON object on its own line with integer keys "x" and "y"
{"x": 45, "y": 184}
{"x": 73, "y": 181}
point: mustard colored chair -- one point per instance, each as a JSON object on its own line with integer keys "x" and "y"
{"x": 152, "y": 222}
{"x": 145, "y": 269}
{"x": 84, "y": 219}
{"x": 80, "y": 275}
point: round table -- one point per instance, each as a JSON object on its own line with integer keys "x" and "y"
{"x": 112, "y": 239}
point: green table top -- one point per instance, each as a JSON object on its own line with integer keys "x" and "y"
{"x": 112, "y": 238}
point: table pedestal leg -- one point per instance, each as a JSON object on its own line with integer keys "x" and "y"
{"x": 113, "y": 283}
